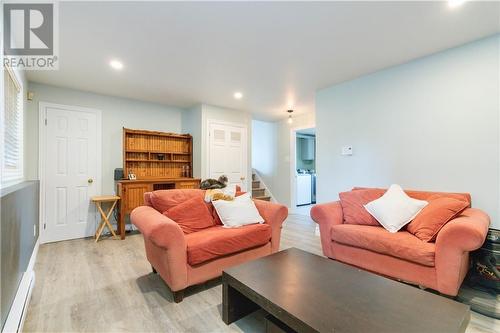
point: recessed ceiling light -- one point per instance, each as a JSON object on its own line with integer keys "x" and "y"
{"x": 116, "y": 64}
{"x": 238, "y": 95}
{"x": 455, "y": 3}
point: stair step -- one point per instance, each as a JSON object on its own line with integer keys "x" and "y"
{"x": 255, "y": 184}
{"x": 258, "y": 192}
{"x": 263, "y": 198}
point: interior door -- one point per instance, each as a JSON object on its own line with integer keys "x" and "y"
{"x": 228, "y": 153}
{"x": 71, "y": 173}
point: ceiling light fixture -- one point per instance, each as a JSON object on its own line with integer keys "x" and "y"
{"x": 290, "y": 120}
{"x": 455, "y": 3}
{"x": 238, "y": 95}
{"x": 116, "y": 64}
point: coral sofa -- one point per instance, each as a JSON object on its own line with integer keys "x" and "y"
{"x": 440, "y": 265}
{"x": 184, "y": 260}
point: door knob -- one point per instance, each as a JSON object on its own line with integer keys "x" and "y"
{"x": 90, "y": 181}
{"x": 242, "y": 178}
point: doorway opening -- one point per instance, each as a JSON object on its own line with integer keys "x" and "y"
{"x": 305, "y": 169}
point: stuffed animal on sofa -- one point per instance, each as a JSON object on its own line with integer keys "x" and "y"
{"x": 217, "y": 194}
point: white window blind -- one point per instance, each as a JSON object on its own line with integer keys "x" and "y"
{"x": 12, "y": 168}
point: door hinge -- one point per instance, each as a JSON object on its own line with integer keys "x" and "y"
{"x": 45, "y": 121}
{"x": 44, "y": 226}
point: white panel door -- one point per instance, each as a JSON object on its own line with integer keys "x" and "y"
{"x": 71, "y": 173}
{"x": 228, "y": 153}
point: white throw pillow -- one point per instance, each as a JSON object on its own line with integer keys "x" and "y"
{"x": 241, "y": 211}
{"x": 395, "y": 208}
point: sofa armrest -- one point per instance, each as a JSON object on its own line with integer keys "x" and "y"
{"x": 328, "y": 213}
{"x": 326, "y": 216}
{"x": 454, "y": 241}
{"x": 274, "y": 214}
{"x": 165, "y": 244}
{"x": 158, "y": 228}
{"x": 465, "y": 233}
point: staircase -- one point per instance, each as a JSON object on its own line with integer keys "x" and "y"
{"x": 259, "y": 191}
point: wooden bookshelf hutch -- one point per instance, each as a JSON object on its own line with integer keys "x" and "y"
{"x": 160, "y": 161}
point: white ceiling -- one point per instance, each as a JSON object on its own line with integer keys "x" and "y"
{"x": 278, "y": 54}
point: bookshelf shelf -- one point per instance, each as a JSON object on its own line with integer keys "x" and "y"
{"x": 151, "y": 154}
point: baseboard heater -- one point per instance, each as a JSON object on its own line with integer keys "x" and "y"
{"x": 17, "y": 313}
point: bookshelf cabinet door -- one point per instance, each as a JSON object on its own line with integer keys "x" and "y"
{"x": 134, "y": 195}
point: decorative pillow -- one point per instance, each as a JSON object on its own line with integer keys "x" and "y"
{"x": 395, "y": 208}
{"x": 353, "y": 203}
{"x": 191, "y": 215}
{"x": 163, "y": 200}
{"x": 457, "y": 196}
{"x": 241, "y": 211}
{"x": 434, "y": 216}
{"x": 214, "y": 212}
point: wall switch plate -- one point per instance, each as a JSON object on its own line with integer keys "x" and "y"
{"x": 347, "y": 150}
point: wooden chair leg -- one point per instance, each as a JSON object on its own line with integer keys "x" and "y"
{"x": 178, "y": 296}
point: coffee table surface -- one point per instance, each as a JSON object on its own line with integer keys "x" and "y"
{"x": 311, "y": 293}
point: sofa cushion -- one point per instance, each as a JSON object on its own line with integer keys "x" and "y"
{"x": 401, "y": 244}
{"x": 353, "y": 203}
{"x": 434, "y": 216}
{"x": 395, "y": 208}
{"x": 218, "y": 241}
{"x": 191, "y": 215}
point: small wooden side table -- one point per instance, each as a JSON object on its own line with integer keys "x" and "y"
{"x": 99, "y": 200}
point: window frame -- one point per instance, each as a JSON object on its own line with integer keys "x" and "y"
{"x": 11, "y": 177}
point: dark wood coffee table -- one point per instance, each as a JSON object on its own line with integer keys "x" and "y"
{"x": 310, "y": 293}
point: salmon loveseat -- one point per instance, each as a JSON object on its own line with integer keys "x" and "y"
{"x": 184, "y": 260}
{"x": 440, "y": 265}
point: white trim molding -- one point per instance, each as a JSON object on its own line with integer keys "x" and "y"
{"x": 18, "y": 310}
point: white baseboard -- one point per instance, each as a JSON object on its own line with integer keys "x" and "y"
{"x": 17, "y": 313}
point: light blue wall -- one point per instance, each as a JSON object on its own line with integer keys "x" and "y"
{"x": 264, "y": 150}
{"x": 195, "y": 121}
{"x": 116, "y": 113}
{"x": 431, "y": 124}
{"x": 191, "y": 124}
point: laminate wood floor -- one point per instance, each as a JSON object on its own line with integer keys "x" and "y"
{"x": 82, "y": 286}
